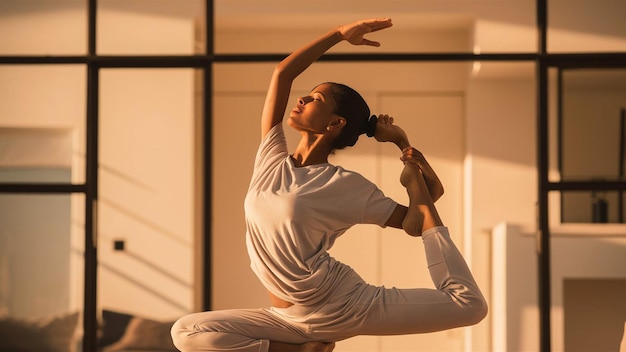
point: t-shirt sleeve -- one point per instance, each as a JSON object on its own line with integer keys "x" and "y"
{"x": 378, "y": 207}
{"x": 272, "y": 151}
{"x": 360, "y": 201}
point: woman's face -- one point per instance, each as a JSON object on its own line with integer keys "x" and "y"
{"x": 314, "y": 112}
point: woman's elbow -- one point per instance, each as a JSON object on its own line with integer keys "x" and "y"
{"x": 438, "y": 192}
{"x": 282, "y": 73}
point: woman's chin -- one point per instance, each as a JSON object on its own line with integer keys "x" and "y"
{"x": 292, "y": 123}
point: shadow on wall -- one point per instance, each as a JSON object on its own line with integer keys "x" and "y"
{"x": 153, "y": 261}
{"x": 136, "y": 282}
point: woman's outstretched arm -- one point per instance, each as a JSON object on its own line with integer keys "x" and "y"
{"x": 293, "y": 65}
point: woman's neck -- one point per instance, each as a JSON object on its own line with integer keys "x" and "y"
{"x": 311, "y": 152}
{"x": 299, "y": 161}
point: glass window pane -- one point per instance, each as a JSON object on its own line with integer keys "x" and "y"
{"x": 42, "y": 121}
{"x": 146, "y": 225}
{"x": 41, "y": 270}
{"x": 150, "y": 28}
{"x": 593, "y": 135}
{"x": 586, "y": 26}
{"x": 43, "y": 27}
{"x": 418, "y": 27}
{"x": 593, "y": 207}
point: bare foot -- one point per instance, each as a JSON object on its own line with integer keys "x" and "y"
{"x": 386, "y": 131}
{"x": 317, "y": 347}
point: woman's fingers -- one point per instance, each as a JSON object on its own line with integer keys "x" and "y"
{"x": 377, "y": 24}
{"x": 370, "y": 42}
{"x": 354, "y": 32}
{"x": 374, "y": 25}
{"x": 412, "y": 155}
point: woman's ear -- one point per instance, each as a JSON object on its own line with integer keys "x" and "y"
{"x": 336, "y": 123}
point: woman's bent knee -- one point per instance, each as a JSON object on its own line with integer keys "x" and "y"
{"x": 477, "y": 311}
{"x": 179, "y": 333}
{"x": 473, "y": 306}
{"x": 214, "y": 331}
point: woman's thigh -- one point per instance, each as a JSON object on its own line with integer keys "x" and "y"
{"x": 234, "y": 330}
{"x": 386, "y": 311}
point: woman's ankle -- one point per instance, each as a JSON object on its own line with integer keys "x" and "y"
{"x": 412, "y": 224}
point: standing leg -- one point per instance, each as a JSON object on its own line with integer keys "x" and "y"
{"x": 243, "y": 330}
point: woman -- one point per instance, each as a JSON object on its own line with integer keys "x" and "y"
{"x": 299, "y": 204}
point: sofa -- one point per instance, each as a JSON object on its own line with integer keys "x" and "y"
{"x": 118, "y": 332}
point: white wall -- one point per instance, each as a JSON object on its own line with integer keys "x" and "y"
{"x": 146, "y": 191}
{"x": 500, "y": 169}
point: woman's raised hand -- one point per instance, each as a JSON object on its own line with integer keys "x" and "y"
{"x": 354, "y": 32}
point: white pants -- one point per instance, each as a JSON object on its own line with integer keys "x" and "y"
{"x": 357, "y": 308}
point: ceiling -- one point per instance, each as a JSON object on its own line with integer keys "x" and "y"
{"x": 439, "y": 14}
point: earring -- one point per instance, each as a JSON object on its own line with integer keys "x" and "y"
{"x": 327, "y": 128}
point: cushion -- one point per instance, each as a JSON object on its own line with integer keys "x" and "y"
{"x": 113, "y": 327}
{"x": 145, "y": 335}
{"x": 54, "y": 334}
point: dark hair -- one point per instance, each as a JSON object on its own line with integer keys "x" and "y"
{"x": 350, "y": 105}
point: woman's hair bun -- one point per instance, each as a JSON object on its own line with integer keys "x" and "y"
{"x": 370, "y": 127}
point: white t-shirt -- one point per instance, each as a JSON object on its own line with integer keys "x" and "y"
{"x": 295, "y": 214}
